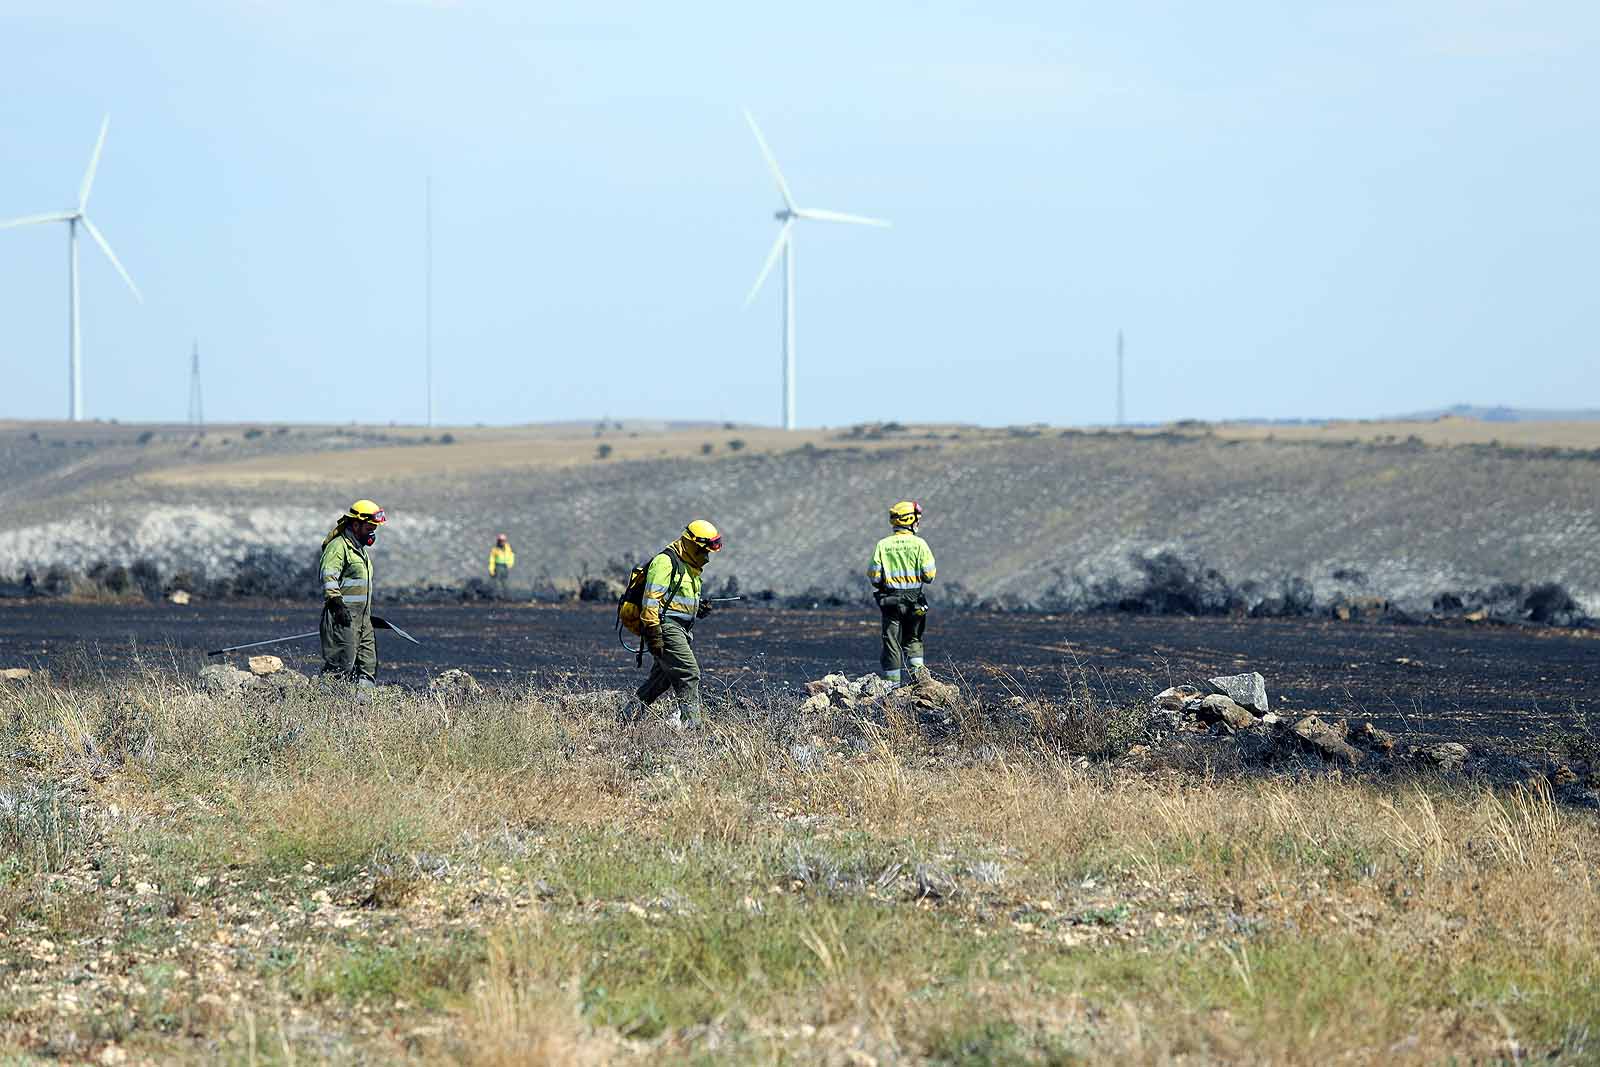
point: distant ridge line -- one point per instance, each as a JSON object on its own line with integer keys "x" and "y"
{"x": 1503, "y": 413}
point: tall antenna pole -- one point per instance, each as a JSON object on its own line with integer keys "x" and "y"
{"x": 1120, "y": 410}
{"x": 197, "y": 408}
{"x": 788, "y": 333}
{"x": 75, "y": 364}
{"x": 428, "y": 296}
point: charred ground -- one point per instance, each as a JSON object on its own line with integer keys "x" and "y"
{"x": 1501, "y": 686}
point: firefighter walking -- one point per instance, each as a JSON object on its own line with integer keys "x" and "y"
{"x": 671, "y": 603}
{"x": 902, "y": 564}
{"x": 348, "y": 648}
{"x": 501, "y": 560}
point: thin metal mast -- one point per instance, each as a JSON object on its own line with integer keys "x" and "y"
{"x": 788, "y": 334}
{"x": 428, "y": 297}
{"x": 197, "y": 408}
{"x": 1120, "y": 410}
{"x": 74, "y": 342}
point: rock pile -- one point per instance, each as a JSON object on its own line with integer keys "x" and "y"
{"x": 924, "y": 694}
{"x": 1238, "y": 706}
{"x": 226, "y": 680}
{"x": 837, "y": 691}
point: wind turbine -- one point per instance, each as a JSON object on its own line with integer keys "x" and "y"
{"x": 74, "y": 219}
{"x": 785, "y": 244}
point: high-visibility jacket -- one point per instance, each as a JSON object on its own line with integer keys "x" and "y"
{"x": 503, "y": 557}
{"x": 346, "y": 571}
{"x": 658, "y": 583}
{"x": 902, "y": 563}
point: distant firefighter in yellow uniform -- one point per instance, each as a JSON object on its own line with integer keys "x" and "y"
{"x": 501, "y": 560}
{"x": 902, "y": 564}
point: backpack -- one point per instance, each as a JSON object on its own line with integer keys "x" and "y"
{"x": 630, "y": 606}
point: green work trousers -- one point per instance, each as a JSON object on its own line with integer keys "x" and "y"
{"x": 903, "y": 624}
{"x": 349, "y": 651}
{"x": 675, "y": 669}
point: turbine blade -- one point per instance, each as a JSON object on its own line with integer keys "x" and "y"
{"x": 783, "y": 186}
{"x": 772, "y": 259}
{"x": 94, "y": 164}
{"x": 112, "y": 256}
{"x": 839, "y": 216}
{"x": 29, "y": 220}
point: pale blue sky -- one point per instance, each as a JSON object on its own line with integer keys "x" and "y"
{"x": 1292, "y": 209}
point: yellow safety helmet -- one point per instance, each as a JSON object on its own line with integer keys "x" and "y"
{"x": 905, "y": 514}
{"x": 366, "y": 511}
{"x": 704, "y": 534}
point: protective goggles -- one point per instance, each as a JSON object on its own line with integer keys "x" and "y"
{"x": 715, "y": 544}
{"x": 905, "y": 516}
{"x": 376, "y": 518}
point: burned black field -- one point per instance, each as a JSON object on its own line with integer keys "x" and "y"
{"x": 1489, "y": 685}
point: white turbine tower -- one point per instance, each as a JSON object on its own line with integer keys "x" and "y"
{"x": 74, "y": 219}
{"x": 785, "y": 244}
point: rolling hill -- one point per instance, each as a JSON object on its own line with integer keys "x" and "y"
{"x": 1027, "y": 514}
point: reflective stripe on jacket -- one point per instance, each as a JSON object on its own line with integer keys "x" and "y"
{"x": 657, "y": 582}
{"x": 503, "y": 557}
{"x": 902, "y": 562}
{"x": 346, "y": 571}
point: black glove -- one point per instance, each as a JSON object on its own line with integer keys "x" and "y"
{"x": 703, "y": 610}
{"x": 652, "y": 641}
{"x": 339, "y": 611}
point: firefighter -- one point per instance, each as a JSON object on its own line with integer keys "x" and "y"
{"x": 501, "y": 560}
{"x": 348, "y": 648}
{"x": 902, "y": 564}
{"x": 667, "y": 614}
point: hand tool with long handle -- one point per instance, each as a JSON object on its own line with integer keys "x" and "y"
{"x": 258, "y": 644}
{"x": 378, "y": 623}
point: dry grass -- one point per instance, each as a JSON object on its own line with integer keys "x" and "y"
{"x": 571, "y": 445}
{"x": 510, "y": 449}
{"x": 522, "y": 880}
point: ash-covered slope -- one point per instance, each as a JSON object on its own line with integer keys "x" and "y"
{"x": 1047, "y": 519}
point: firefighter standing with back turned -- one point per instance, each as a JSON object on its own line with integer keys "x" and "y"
{"x": 902, "y": 564}
{"x": 348, "y": 648}
{"x": 667, "y": 612}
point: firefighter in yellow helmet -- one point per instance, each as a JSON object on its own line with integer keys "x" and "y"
{"x": 348, "y": 648}
{"x": 667, "y": 613}
{"x": 501, "y": 560}
{"x": 902, "y": 564}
